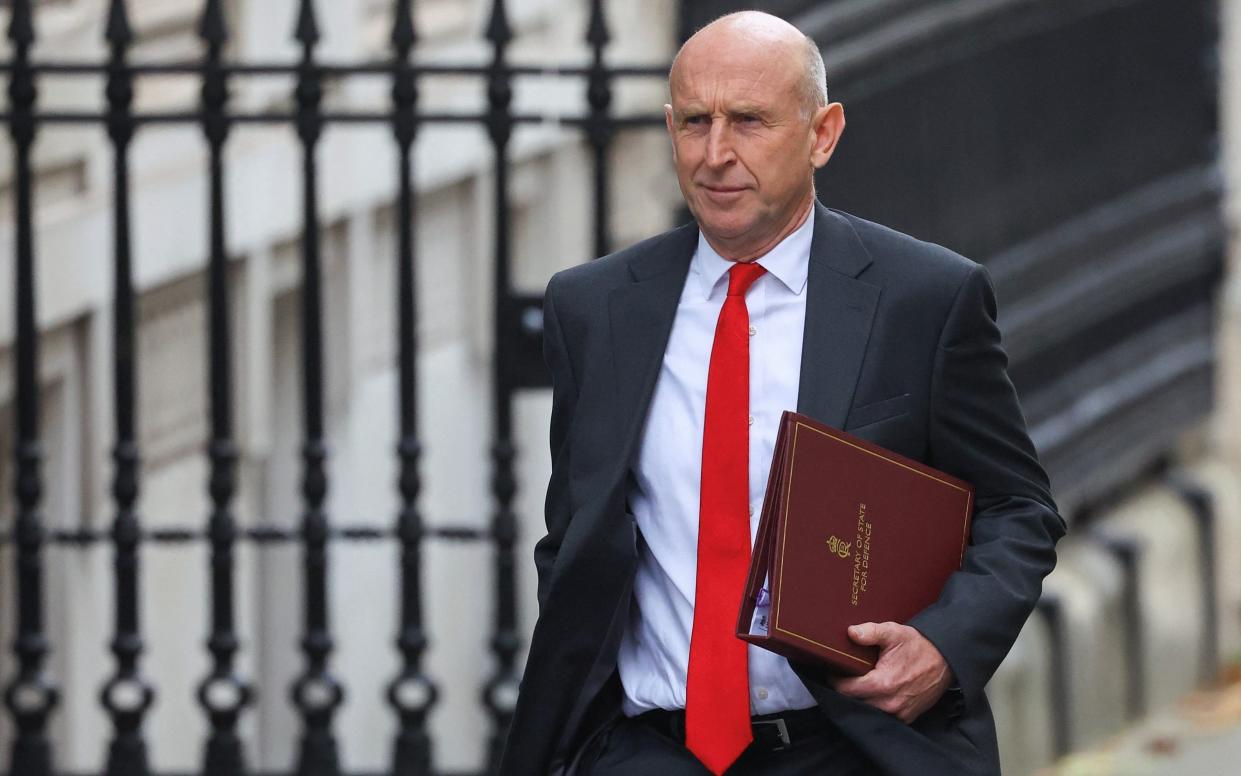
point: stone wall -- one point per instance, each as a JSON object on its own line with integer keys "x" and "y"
{"x": 1158, "y": 523}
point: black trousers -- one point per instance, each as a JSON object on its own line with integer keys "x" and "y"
{"x": 633, "y": 748}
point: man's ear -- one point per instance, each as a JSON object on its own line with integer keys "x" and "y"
{"x": 668, "y": 124}
{"x": 827, "y": 125}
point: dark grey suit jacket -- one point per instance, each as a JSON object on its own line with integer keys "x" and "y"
{"x": 900, "y": 347}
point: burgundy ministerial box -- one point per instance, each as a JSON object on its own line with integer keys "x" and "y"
{"x": 850, "y": 533}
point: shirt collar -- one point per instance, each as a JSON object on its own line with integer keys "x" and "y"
{"x": 789, "y": 261}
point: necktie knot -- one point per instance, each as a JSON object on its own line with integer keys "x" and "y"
{"x": 742, "y": 275}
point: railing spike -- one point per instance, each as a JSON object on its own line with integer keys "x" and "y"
{"x": 404, "y": 36}
{"x": 21, "y": 23}
{"x": 597, "y": 34}
{"x": 118, "y": 31}
{"x": 213, "y": 25}
{"x": 498, "y": 30}
{"x": 307, "y": 27}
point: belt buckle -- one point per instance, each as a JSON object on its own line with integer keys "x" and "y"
{"x": 782, "y": 730}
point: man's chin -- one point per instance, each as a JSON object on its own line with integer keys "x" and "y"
{"x": 724, "y": 230}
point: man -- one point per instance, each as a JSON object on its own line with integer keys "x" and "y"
{"x": 671, "y": 363}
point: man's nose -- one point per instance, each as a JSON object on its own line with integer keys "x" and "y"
{"x": 720, "y": 144}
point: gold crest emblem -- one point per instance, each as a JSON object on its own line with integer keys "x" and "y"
{"x": 838, "y": 547}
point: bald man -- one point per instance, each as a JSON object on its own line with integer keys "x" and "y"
{"x": 671, "y": 363}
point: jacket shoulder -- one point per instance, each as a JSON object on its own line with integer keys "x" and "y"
{"x": 616, "y": 268}
{"x": 906, "y": 260}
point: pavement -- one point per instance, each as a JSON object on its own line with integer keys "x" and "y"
{"x": 1200, "y": 736}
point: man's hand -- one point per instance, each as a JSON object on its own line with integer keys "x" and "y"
{"x": 909, "y": 677}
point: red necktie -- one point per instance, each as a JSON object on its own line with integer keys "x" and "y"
{"x": 717, "y": 692}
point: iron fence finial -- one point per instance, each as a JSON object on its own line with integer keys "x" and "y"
{"x": 404, "y": 35}
{"x": 307, "y": 27}
{"x": 21, "y": 24}
{"x": 213, "y": 25}
{"x": 118, "y": 32}
{"x": 498, "y": 30}
{"x": 597, "y": 34}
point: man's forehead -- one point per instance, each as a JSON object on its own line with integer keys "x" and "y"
{"x": 738, "y": 84}
{"x": 735, "y": 65}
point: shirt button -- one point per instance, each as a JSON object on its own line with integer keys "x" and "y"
{"x": 753, "y": 331}
{"x": 751, "y": 511}
{"x": 762, "y": 693}
{"x": 751, "y": 420}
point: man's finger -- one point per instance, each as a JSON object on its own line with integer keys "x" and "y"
{"x": 875, "y": 633}
{"x": 872, "y": 684}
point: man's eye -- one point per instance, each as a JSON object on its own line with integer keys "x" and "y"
{"x": 693, "y": 121}
{"x": 747, "y": 118}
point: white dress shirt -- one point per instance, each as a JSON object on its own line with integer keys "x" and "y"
{"x": 663, "y": 494}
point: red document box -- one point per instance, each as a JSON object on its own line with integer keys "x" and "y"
{"x": 850, "y": 533}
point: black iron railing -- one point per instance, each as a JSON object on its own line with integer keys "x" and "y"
{"x": 223, "y": 694}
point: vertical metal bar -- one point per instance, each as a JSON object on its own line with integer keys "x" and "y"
{"x": 599, "y": 128}
{"x": 30, "y": 697}
{"x": 411, "y": 693}
{"x": 500, "y": 692}
{"x": 1127, "y": 552}
{"x": 1202, "y": 505}
{"x": 126, "y": 696}
{"x": 1052, "y": 611}
{"x": 222, "y": 694}
{"x": 1210, "y": 84}
{"x": 316, "y": 693}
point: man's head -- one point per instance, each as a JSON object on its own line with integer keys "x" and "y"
{"x": 750, "y": 123}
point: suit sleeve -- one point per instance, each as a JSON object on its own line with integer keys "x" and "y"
{"x": 564, "y": 398}
{"x": 977, "y": 432}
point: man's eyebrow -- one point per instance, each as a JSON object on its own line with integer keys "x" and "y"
{"x": 695, "y": 108}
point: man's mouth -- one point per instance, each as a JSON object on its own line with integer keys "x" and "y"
{"x": 723, "y": 195}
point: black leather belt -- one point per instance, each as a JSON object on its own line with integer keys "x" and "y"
{"x": 772, "y": 732}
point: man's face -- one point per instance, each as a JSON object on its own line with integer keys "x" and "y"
{"x": 745, "y": 151}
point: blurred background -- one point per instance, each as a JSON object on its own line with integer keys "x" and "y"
{"x": 273, "y": 409}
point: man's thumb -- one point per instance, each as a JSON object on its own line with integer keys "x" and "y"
{"x": 867, "y": 633}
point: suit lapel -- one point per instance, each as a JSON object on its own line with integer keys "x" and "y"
{"x": 641, "y": 315}
{"x": 840, "y": 310}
